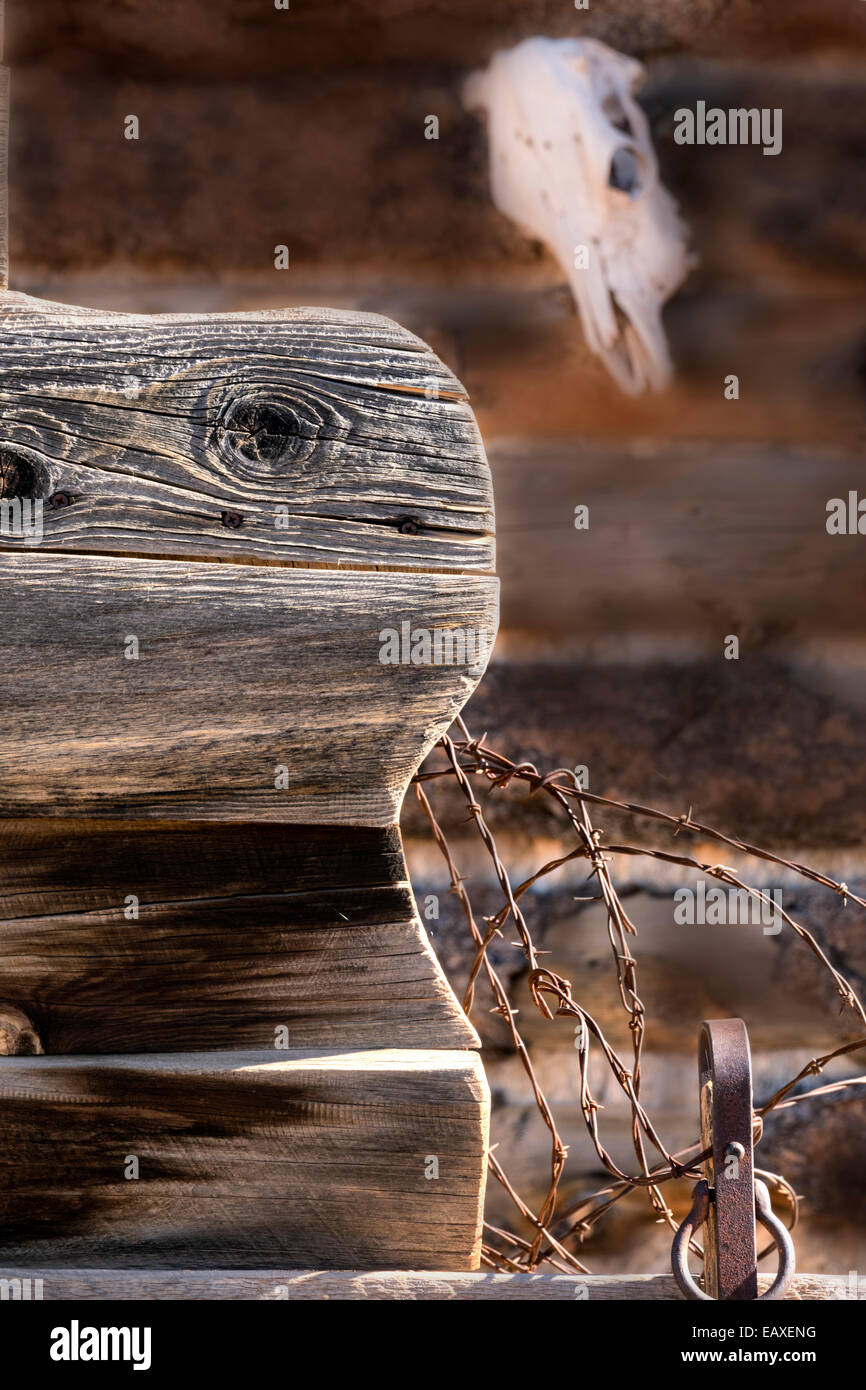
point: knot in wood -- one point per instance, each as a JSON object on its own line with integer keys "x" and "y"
{"x": 20, "y": 475}
{"x": 261, "y": 431}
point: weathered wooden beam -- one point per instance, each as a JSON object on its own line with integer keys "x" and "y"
{"x": 150, "y": 938}
{"x": 405, "y": 1285}
{"x": 308, "y": 437}
{"x": 206, "y": 1160}
{"x": 257, "y": 693}
{"x": 153, "y": 683}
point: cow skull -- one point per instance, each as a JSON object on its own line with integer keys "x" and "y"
{"x": 572, "y": 164}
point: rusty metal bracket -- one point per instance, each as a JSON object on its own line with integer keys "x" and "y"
{"x": 725, "y": 1079}
{"x": 729, "y": 1198}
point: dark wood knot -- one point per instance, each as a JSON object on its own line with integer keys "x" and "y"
{"x": 20, "y": 474}
{"x": 259, "y": 430}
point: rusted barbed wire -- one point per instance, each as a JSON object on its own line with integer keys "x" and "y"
{"x": 467, "y": 759}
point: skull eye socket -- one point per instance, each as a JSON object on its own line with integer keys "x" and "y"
{"x": 616, "y": 113}
{"x": 625, "y": 172}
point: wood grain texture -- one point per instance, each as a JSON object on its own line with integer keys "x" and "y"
{"x": 241, "y": 671}
{"x": 237, "y": 932}
{"x": 319, "y": 432}
{"x": 172, "y": 688}
{"x": 274, "y": 1285}
{"x": 311, "y": 1160}
{"x": 69, "y": 866}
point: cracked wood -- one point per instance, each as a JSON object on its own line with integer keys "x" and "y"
{"x": 241, "y": 672}
{"x": 331, "y": 438}
{"x": 150, "y": 693}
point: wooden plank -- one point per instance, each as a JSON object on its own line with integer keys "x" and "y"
{"x": 63, "y": 867}
{"x": 228, "y": 38}
{"x": 241, "y": 671}
{"x": 316, "y": 1159}
{"x": 268, "y": 1285}
{"x": 676, "y": 533}
{"x": 235, "y": 933}
{"x": 319, "y": 434}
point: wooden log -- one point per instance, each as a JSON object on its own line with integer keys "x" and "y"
{"x": 130, "y": 938}
{"x": 244, "y": 1160}
{"x": 227, "y": 37}
{"x": 152, "y": 683}
{"x": 676, "y": 533}
{"x": 257, "y": 693}
{"x": 269, "y": 1285}
{"x": 309, "y": 437}
{"x": 194, "y": 438}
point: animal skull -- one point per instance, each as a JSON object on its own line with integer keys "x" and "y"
{"x": 572, "y": 163}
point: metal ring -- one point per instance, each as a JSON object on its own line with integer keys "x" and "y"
{"x": 764, "y": 1213}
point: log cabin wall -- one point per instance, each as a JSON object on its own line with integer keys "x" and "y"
{"x": 199, "y": 848}
{"x": 206, "y": 914}
{"x": 306, "y": 130}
